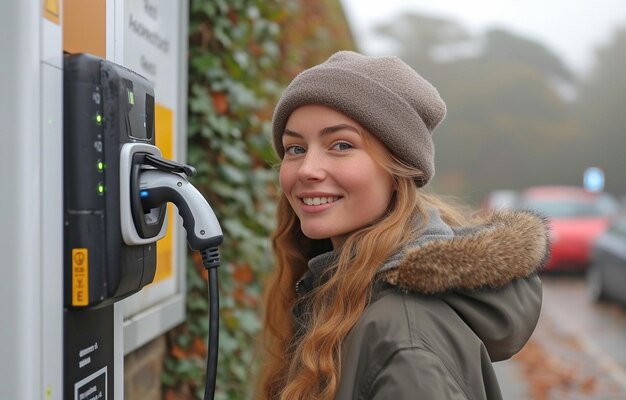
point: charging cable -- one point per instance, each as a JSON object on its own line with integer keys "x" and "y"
{"x": 211, "y": 260}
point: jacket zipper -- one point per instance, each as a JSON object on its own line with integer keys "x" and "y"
{"x": 298, "y": 288}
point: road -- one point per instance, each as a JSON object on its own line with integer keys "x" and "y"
{"x": 577, "y": 352}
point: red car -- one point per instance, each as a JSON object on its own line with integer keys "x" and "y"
{"x": 577, "y": 217}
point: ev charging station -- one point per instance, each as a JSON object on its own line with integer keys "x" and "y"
{"x": 92, "y": 145}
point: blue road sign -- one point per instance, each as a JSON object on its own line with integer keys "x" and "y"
{"x": 593, "y": 179}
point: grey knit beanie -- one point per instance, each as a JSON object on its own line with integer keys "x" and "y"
{"x": 383, "y": 94}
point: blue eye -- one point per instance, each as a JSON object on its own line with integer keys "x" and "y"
{"x": 294, "y": 150}
{"x": 341, "y": 146}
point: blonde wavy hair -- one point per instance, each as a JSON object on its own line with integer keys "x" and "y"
{"x": 307, "y": 365}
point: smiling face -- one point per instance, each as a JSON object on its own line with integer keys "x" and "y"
{"x": 329, "y": 176}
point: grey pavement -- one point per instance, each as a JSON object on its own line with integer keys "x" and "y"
{"x": 512, "y": 381}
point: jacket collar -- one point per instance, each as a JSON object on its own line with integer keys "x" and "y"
{"x": 505, "y": 246}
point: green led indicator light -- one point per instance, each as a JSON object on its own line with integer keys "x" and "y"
{"x": 100, "y": 166}
{"x": 131, "y": 97}
{"x": 100, "y": 188}
{"x": 98, "y": 119}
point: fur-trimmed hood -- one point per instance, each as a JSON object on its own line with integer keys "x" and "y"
{"x": 507, "y": 245}
{"x": 504, "y": 246}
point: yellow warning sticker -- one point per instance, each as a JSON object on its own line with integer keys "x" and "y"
{"x": 51, "y": 10}
{"x": 80, "y": 277}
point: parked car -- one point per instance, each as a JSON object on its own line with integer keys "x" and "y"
{"x": 577, "y": 217}
{"x": 606, "y": 276}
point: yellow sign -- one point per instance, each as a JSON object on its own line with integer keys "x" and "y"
{"x": 164, "y": 134}
{"x": 52, "y": 10}
{"x": 80, "y": 277}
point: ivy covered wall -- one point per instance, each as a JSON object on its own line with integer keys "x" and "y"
{"x": 241, "y": 54}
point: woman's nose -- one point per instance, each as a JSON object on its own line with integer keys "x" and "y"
{"x": 312, "y": 167}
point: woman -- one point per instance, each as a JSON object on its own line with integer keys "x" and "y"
{"x": 382, "y": 291}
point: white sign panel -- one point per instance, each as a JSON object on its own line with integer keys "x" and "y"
{"x": 151, "y": 45}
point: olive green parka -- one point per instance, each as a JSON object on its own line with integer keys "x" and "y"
{"x": 443, "y": 309}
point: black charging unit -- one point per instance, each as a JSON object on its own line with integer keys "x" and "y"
{"x": 105, "y": 107}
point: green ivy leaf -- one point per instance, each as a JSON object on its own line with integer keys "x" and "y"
{"x": 232, "y": 174}
{"x": 236, "y": 230}
{"x": 237, "y": 154}
{"x": 248, "y": 321}
{"x": 199, "y": 101}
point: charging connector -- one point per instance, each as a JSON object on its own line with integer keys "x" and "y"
{"x": 159, "y": 187}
